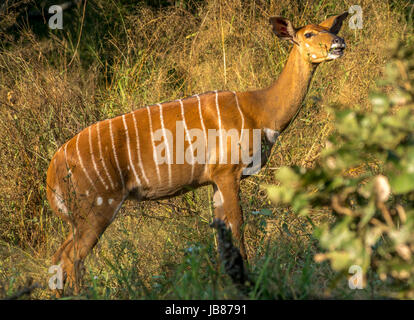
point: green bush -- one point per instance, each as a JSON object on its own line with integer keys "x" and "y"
{"x": 366, "y": 178}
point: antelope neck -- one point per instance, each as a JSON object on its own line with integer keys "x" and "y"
{"x": 280, "y": 102}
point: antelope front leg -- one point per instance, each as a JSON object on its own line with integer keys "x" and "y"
{"x": 227, "y": 208}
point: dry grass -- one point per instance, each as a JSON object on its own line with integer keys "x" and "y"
{"x": 152, "y": 56}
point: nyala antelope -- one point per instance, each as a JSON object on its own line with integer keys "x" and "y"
{"x": 92, "y": 174}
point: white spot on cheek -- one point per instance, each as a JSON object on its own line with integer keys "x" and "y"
{"x": 99, "y": 201}
{"x": 307, "y": 46}
{"x": 314, "y": 56}
{"x": 87, "y": 193}
{"x": 110, "y": 201}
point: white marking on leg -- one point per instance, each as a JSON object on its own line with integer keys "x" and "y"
{"x": 110, "y": 201}
{"x": 220, "y": 133}
{"x": 138, "y": 181}
{"x": 166, "y": 145}
{"x": 115, "y": 155}
{"x": 153, "y": 146}
{"x": 99, "y": 201}
{"x": 101, "y": 157}
{"x": 93, "y": 160}
{"x": 139, "y": 150}
{"x": 81, "y": 162}
{"x": 189, "y": 141}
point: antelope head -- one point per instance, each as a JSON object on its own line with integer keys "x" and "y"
{"x": 317, "y": 43}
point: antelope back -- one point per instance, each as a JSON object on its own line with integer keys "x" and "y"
{"x": 148, "y": 153}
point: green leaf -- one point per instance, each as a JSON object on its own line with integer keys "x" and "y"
{"x": 264, "y": 212}
{"x": 340, "y": 260}
{"x": 287, "y": 176}
{"x": 402, "y": 183}
{"x": 380, "y": 102}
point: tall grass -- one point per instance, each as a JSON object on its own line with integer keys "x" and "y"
{"x": 114, "y": 57}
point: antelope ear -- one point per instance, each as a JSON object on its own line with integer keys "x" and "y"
{"x": 334, "y": 23}
{"x": 283, "y": 28}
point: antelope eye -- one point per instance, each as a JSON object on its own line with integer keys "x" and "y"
{"x": 309, "y": 34}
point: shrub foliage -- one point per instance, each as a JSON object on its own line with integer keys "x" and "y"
{"x": 366, "y": 177}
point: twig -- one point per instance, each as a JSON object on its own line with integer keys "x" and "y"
{"x": 80, "y": 33}
{"x": 176, "y": 208}
{"x": 9, "y": 106}
{"x": 379, "y": 224}
{"x": 223, "y": 46}
{"x": 401, "y": 213}
{"x": 65, "y": 5}
{"x": 385, "y": 213}
{"x": 24, "y": 291}
{"x": 335, "y": 203}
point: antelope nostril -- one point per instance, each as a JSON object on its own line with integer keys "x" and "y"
{"x": 338, "y": 42}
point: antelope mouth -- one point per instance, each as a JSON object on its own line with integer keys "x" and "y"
{"x": 336, "y": 51}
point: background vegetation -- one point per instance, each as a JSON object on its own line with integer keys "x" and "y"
{"x": 374, "y": 228}
{"x": 115, "y": 56}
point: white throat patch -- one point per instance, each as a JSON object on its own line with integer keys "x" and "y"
{"x": 271, "y": 135}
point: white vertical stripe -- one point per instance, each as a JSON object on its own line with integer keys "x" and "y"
{"x": 129, "y": 152}
{"x": 202, "y": 120}
{"x": 219, "y": 125}
{"x": 101, "y": 157}
{"x": 93, "y": 160}
{"x": 242, "y": 116}
{"x": 139, "y": 150}
{"x": 204, "y": 132}
{"x": 66, "y": 157}
{"x": 166, "y": 144}
{"x": 81, "y": 162}
{"x": 153, "y": 145}
{"x": 115, "y": 155}
{"x": 189, "y": 141}
{"x": 66, "y": 160}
